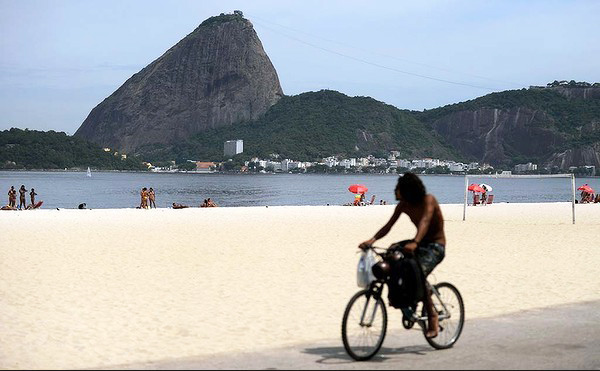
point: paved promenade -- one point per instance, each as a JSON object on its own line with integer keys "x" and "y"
{"x": 564, "y": 337}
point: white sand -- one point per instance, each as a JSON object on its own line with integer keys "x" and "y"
{"x": 87, "y": 288}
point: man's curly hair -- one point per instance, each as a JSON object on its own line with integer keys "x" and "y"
{"x": 411, "y": 188}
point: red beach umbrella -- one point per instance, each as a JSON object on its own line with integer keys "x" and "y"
{"x": 358, "y": 188}
{"x": 475, "y": 188}
{"x": 586, "y": 188}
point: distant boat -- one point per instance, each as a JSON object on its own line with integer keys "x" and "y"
{"x": 89, "y": 172}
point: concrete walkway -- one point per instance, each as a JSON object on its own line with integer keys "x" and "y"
{"x": 565, "y": 337}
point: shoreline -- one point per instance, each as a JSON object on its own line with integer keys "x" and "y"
{"x": 267, "y": 173}
{"x": 113, "y": 286}
{"x": 469, "y": 206}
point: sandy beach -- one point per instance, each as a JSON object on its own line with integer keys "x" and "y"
{"x": 93, "y": 288}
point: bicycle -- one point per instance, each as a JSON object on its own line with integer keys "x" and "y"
{"x": 364, "y": 324}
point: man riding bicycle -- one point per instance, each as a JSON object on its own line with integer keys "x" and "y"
{"x": 428, "y": 246}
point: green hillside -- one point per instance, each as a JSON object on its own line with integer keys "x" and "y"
{"x": 313, "y": 125}
{"x": 31, "y": 149}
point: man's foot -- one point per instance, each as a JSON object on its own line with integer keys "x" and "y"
{"x": 432, "y": 330}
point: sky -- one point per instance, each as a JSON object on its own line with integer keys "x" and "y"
{"x": 61, "y": 58}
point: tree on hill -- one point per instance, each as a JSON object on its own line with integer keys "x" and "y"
{"x": 32, "y": 149}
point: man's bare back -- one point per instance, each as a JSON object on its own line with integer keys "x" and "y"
{"x": 435, "y": 232}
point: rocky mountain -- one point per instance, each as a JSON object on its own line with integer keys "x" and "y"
{"x": 557, "y": 126}
{"x": 218, "y": 75}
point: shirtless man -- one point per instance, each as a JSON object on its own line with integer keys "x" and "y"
{"x": 12, "y": 197}
{"x": 144, "y": 198}
{"x": 428, "y": 246}
{"x": 151, "y": 197}
{"x": 32, "y": 194}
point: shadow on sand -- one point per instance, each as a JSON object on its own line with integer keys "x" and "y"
{"x": 338, "y": 355}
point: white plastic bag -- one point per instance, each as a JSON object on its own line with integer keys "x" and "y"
{"x": 364, "y": 272}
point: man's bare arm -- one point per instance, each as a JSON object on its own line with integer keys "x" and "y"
{"x": 385, "y": 229}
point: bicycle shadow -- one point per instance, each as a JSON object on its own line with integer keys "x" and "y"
{"x": 338, "y": 355}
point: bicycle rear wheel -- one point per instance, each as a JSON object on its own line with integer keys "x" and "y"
{"x": 364, "y": 325}
{"x": 451, "y": 313}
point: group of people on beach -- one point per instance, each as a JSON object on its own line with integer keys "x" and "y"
{"x": 148, "y": 198}
{"x": 360, "y": 200}
{"x": 12, "y": 199}
{"x": 589, "y": 197}
{"x": 206, "y": 203}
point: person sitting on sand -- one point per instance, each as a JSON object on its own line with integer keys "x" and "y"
{"x": 430, "y": 241}
{"x": 586, "y": 197}
{"x": 597, "y": 200}
{"x": 210, "y": 203}
{"x": 204, "y": 203}
{"x": 179, "y": 206}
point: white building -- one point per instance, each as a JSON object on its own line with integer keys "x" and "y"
{"x": 457, "y": 166}
{"x": 347, "y": 163}
{"x": 330, "y": 161}
{"x": 520, "y": 168}
{"x": 276, "y": 165}
{"x": 233, "y": 147}
{"x": 404, "y": 163}
{"x": 362, "y": 161}
{"x": 473, "y": 166}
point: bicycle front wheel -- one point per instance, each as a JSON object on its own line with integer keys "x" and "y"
{"x": 364, "y": 325}
{"x": 451, "y": 310}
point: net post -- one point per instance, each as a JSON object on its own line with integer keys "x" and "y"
{"x": 573, "y": 199}
{"x": 465, "y": 205}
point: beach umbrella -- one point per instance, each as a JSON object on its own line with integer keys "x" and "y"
{"x": 475, "y": 188}
{"x": 586, "y": 188}
{"x": 487, "y": 187}
{"x": 358, "y": 188}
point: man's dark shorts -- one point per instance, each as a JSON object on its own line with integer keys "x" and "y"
{"x": 429, "y": 256}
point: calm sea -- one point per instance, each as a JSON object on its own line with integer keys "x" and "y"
{"x": 121, "y": 189}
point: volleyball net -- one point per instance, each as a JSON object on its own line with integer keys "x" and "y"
{"x": 515, "y": 176}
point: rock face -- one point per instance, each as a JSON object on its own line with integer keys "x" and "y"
{"x": 218, "y": 75}
{"x": 558, "y": 126}
{"x": 494, "y": 136}
{"x": 581, "y": 93}
{"x": 584, "y": 155}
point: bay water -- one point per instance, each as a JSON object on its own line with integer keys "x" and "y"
{"x": 122, "y": 189}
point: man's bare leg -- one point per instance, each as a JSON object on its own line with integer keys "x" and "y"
{"x": 432, "y": 325}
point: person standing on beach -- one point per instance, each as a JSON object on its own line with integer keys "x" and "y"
{"x": 144, "y": 198}
{"x": 22, "y": 193}
{"x": 32, "y": 195}
{"x": 12, "y": 197}
{"x": 428, "y": 246}
{"x": 151, "y": 197}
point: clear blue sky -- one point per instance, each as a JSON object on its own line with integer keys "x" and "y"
{"x": 60, "y": 58}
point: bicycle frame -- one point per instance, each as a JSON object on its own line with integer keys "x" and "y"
{"x": 375, "y": 291}
{"x": 445, "y": 313}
